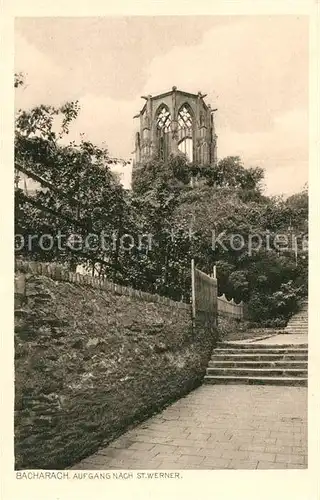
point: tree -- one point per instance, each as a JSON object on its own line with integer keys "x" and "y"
{"x": 18, "y": 80}
{"x": 83, "y": 194}
{"x": 223, "y": 219}
{"x": 240, "y": 235}
{"x": 230, "y": 172}
{"x": 156, "y": 189}
{"x": 157, "y": 175}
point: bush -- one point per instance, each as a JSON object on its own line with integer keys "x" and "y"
{"x": 274, "y": 310}
{"x": 275, "y": 323}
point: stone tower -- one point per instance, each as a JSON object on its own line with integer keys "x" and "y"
{"x": 176, "y": 121}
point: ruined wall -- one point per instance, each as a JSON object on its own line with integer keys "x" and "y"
{"x": 91, "y": 359}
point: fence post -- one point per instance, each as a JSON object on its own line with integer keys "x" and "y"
{"x": 193, "y": 293}
{"x": 215, "y": 272}
{"x": 215, "y": 295}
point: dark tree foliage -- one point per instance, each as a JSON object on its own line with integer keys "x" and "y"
{"x": 175, "y": 212}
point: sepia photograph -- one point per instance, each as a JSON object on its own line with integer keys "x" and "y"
{"x": 160, "y": 244}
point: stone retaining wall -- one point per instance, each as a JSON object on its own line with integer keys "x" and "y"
{"x": 91, "y": 359}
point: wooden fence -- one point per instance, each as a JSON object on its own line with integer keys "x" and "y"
{"x": 230, "y": 308}
{"x": 204, "y": 298}
{"x": 60, "y": 273}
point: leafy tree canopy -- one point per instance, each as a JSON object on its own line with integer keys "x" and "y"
{"x": 184, "y": 207}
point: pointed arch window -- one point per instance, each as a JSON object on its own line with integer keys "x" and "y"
{"x": 185, "y": 117}
{"x": 185, "y": 131}
{"x": 163, "y": 129}
{"x": 164, "y": 119}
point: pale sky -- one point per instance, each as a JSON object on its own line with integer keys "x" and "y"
{"x": 254, "y": 70}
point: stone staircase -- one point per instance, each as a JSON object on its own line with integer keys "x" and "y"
{"x": 254, "y": 363}
{"x": 298, "y": 324}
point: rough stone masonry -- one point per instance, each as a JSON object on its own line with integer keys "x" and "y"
{"x": 91, "y": 362}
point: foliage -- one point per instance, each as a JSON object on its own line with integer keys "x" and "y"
{"x": 85, "y": 197}
{"x": 156, "y": 175}
{"x": 275, "y": 309}
{"x": 18, "y": 80}
{"x": 152, "y": 232}
{"x": 83, "y": 185}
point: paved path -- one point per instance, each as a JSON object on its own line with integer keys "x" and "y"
{"x": 278, "y": 339}
{"x": 217, "y": 427}
{"x": 285, "y": 338}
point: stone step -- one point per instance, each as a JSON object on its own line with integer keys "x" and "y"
{"x": 261, "y": 372}
{"x": 291, "y": 381}
{"x": 290, "y": 331}
{"x": 270, "y": 350}
{"x": 298, "y": 325}
{"x": 302, "y": 319}
{"x": 301, "y": 314}
{"x": 258, "y": 364}
{"x": 259, "y": 357}
{"x": 297, "y": 329}
{"x": 232, "y": 345}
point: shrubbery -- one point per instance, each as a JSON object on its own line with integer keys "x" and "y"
{"x": 225, "y": 199}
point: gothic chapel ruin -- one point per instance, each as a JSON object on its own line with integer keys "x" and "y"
{"x": 176, "y": 121}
